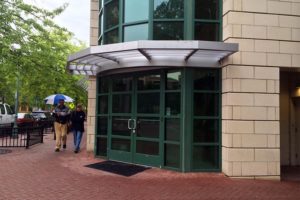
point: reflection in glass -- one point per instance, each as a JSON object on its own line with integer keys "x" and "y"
{"x": 148, "y": 103}
{"x": 173, "y": 81}
{"x": 207, "y": 9}
{"x": 120, "y": 144}
{"x": 206, "y": 130}
{"x": 151, "y": 82}
{"x": 206, "y": 104}
{"x": 103, "y": 85}
{"x": 172, "y": 129}
{"x": 168, "y": 9}
{"x": 122, "y": 84}
{"x": 205, "y": 157}
{"x": 133, "y": 14}
{"x": 121, "y": 103}
{"x": 101, "y": 146}
{"x": 168, "y": 31}
{"x": 147, "y": 147}
{"x": 120, "y": 126}
{"x": 148, "y": 127}
{"x": 206, "y": 80}
{"x": 102, "y": 126}
{"x": 173, "y": 103}
{"x": 103, "y": 104}
{"x": 112, "y": 37}
{"x": 111, "y": 14}
{"x": 172, "y": 155}
{"x": 207, "y": 31}
{"x": 136, "y": 32}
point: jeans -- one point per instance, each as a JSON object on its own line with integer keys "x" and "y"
{"x": 77, "y": 139}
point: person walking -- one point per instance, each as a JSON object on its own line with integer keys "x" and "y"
{"x": 77, "y": 123}
{"x": 62, "y": 117}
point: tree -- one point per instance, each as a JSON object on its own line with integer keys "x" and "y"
{"x": 41, "y": 61}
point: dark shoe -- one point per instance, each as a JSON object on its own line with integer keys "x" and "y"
{"x": 64, "y": 146}
{"x": 76, "y": 151}
{"x": 56, "y": 150}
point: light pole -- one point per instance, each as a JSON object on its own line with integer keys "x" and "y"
{"x": 15, "y": 48}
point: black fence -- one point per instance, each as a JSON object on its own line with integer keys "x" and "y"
{"x": 21, "y": 136}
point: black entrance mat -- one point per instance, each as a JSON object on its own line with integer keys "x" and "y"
{"x": 118, "y": 168}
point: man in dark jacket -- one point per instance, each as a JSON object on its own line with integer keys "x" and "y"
{"x": 77, "y": 120}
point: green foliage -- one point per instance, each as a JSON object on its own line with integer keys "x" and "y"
{"x": 41, "y": 61}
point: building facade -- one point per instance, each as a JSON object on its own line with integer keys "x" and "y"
{"x": 194, "y": 85}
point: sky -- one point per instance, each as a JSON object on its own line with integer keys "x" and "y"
{"x": 76, "y": 17}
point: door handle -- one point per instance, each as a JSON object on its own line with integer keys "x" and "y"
{"x": 134, "y": 124}
{"x": 128, "y": 124}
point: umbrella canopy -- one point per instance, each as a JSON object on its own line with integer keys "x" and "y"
{"x": 53, "y": 99}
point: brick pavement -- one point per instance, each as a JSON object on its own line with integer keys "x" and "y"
{"x": 40, "y": 173}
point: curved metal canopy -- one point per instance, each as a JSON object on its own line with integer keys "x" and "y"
{"x": 149, "y": 53}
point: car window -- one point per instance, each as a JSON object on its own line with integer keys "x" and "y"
{"x": 9, "y": 111}
{"x": 2, "y": 109}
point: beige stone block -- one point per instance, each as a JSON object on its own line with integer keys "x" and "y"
{"x": 267, "y": 73}
{"x": 92, "y": 94}
{"x": 252, "y": 85}
{"x": 289, "y": 21}
{"x": 244, "y": 44}
{"x": 279, "y": 7}
{"x": 227, "y": 85}
{"x": 236, "y": 85}
{"x": 271, "y": 113}
{"x": 227, "y": 140}
{"x": 236, "y": 140}
{"x": 277, "y": 141}
{"x": 267, "y": 46}
{"x": 236, "y": 112}
{"x": 236, "y": 30}
{"x": 274, "y": 168}
{"x": 240, "y": 99}
{"x": 227, "y": 6}
{"x": 236, "y": 58}
{"x": 279, "y": 59}
{"x": 254, "y": 5}
{"x": 296, "y": 34}
{"x": 237, "y": 5}
{"x": 277, "y": 114}
{"x": 94, "y": 23}
{"x": 94, "y": 33}
{"x": 267, "y": 155}
{"x": 266, "y": 100}
{"x": 254, "y": 58}
{"x": 271, "y": 86}
{"x": 268, "y": 178}
{"x": 272, "y": 141}
{"x": 250, "y": 113}
{"x": 254, "y": 168}
{"x": 249, "y": 31}
{"x": 239, "y": 127}
{"x": 240, "y": 71}
{"x": 267, "y": 127}
{"x": 296, "y": 8}
{"x": 224, "y": 73}
{"x": 290, "y": 47}
{"x": 93, "y": 121}
{"x": 94, "y": 6}
{"x": 225, "y": 21}
{"x": 227, "y": 167}
{"x": 93, "y": 41}
{"x": 296, "y": 61}
{"x": 240, "y": 18}
{"x": 236, "y": 168}
{"x": 253, "y": 140}
{"x": 235, "y": 154}
{"x": 226, "y": 112}
{"x": 94, "y": 15}
{"x": 266, "y": 20}
{"x": 278, "y": 33}
{"x": 277, "y": 86}
{"x": 227, "y": 32}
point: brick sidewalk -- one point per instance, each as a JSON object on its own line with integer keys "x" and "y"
{"x": 40, "y": 173}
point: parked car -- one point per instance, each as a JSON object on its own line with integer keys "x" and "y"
{"x": 26, "y": 119}
{"x": 44, "y": 118}
{"x": 7, "y": 116}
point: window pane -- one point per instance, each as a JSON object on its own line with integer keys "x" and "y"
{"x": 172, "y": 129}
{"x": 151, "y": 82}
{"x": 173, "y": 81}
{"x": 147, "y": 147}
{"x": 136, "y": 32}
{"x": 206, "y": 130}
{"x": 121, "y": 103}
{"x": 136, "y": 10}
{"x": 102, "y": 125}
{"x": 103, "y": 85}
{"x": 148, "y": 103}
{"x": 207, "y": 31}
{"x": 168, "y": 9}
{"x": 103, "y": 104}
{"x": 120, "y": 144}
{"x": 101, "y": 146}
{"x": 207, "y": 9}
{"x": 205, "y": 157}
{"x": 206, "y": 79}
{"x": 112, "y": 37}
{"x": 120, "y": 126}
{"x": 173, "y": 103}
{"x": 172, "y": 155}
{"x": 112, "y": 14}
{"x": 168, "y": 31}
{"x": 122, "y": 84}
{"x": 206, "y": 104}
{"x": 148, "y": 127}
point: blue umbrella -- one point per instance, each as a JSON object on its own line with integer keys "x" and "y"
{"x": 54, "y": 99}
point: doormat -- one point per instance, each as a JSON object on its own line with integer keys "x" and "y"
{"x": 119, "y": 168}
{"x": 5, "y": 151}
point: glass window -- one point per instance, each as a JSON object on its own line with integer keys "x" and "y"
{"x": 173, "y": 81}
{"x": 120, "y": 126}
{"x": 102, "y": 125}
{"x": 168, "y": 31}
{"x": 103, "y": 85}
{"x": 9, "y": 110}
{"x": 120, "y": 144}
{"x": 172, "y": 129}
{"x": 151, "y": 82}
{"x": 168, "y": 9}
{"x": 103, "y": 104}
{"x": 206, "y": 130}
{"x": 148, "y": 103}
{"x": 101, "y": 24}
{"x": 112, "y": 37}
{"x": 101, "y": 146}
{"x": 205, "y": 157}
{"x": 206, "y": 79}
{"x": 111, "y": 14}
{"x": 147, "y": 147}
{"x": 207, "y": 9}
{"x": 172, "y": 155}
{"x": 207, "y": 31}
{"x": 206, "y": 104}
{"x": 121, "y": 103}
{"x": 173, "y": 103}
{"x": 122, "y": 84}
{"x": 148, "y": 127}
{"x": 136, "y": 10}
{"x": 136, "y": 32}
{"x": 2, "y": 109}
